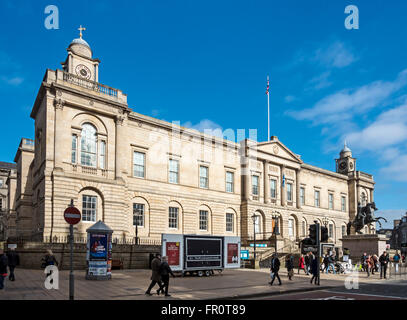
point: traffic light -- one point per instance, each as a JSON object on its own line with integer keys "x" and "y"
{"x": 313, "y": 233}
{"x": 324, "y": 234}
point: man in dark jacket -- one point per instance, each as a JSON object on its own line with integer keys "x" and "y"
{"x": 13, "y": 261}
{"x": 165, "y": 271}
{"x": 275, "y": 267}
{"x": 384, "y": 260}
{"x": 314, "y": 268}
{"x": 155, "y": 274}
{"x": 3, "y": 268}
{"x": 289, "y": 264}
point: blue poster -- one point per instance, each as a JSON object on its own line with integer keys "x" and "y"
{"x": 98, "y": 246}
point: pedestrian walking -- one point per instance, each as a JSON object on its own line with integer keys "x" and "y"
{"x": 49, "y": 260}
{"x": 384, "y": 260}
{"x": 331, "y": 264}
{"x": 3, "y": 268}
{"x": 275, "y": 267}
{"x": 307, "y": 262}
{"x": 289, "y": 264}
{"x": 301, "y": 264}
{"x": 326, "y": 264}
{"x": 13, "y": 262}
{"x": 372, "y": 264}
{"x": 363, "y": 261}
{"x": 375, "y": 263}
{"x": 368, "y": 265}
{"x": 396, "y": 260}
{"x": 314, "y": 268}
{"x": 155, "y": 275}
{"x": 165, "y": 272}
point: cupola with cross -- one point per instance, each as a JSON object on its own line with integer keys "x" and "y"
{"x": 79, "y": 61}
{"x": 346, "y": 163}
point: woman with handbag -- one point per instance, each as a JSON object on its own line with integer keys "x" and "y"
{"x": 289, "y": 263}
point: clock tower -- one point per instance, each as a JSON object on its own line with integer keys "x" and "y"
{"x": 79, "y": 61}
{"x": 346, "y": 163}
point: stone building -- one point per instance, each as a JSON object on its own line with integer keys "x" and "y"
{"x": 129, "y": 169}
{"x": 6, "y": 169}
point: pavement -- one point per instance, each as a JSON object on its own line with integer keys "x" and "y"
{"x": 132, "y": 284}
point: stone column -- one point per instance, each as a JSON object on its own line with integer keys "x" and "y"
{"x": 371, "y": 195}
{"x": 58, "y": 134}
{"x": 266, "y": 182}
{"x": 121, "y": 147}
{"x": 248, "y": 180}
{"x": 283, "y": 194}
{"x": 297, "y": 187}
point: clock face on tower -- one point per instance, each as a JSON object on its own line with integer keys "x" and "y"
{"x": 343, "y": 165}
{"x": 83, "y": 71}
{"x": 351, "y": 166}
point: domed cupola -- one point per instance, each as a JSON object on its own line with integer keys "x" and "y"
{"x": 79, "y": 61}
{"x": 345, "y": 152}
{"x": 346, "y": 163}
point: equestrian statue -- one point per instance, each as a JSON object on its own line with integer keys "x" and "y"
{"x": 364, "y": 216}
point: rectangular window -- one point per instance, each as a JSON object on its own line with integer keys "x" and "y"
{"x": 289, "y": 192}
{"x": 302, "y": 196}
{"x": 273, "y": 188}
{"x": 203, "y": 220}
{"x": 229, "y": 222}
{"x": 138, "y": 214}
{"x": 255, "y": 185}
{"x": 304, "y": 229}
{"x": 331, "y": 201}
{"x": 316, "y": 198}
{"x": 138, "y": 164}
{"x": 290, "y": 227}
{"x": 173, "y": 171}
{"x": 89, "y": 208}
{"x": 343, "y": 204}
{"x": 230, "y": 181}
{"x": 74, "y": 148}
{"x": 102, "y": 154}
{"x": 343, "y": 231}
{"x": 331, "y": 231}
{"x": 203, "y": 177}
{"x": 173, "y": 218}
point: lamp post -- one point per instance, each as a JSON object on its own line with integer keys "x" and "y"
{"x": 325, "y": 221}
{"x": 254, "y": 218}
{"x": 276, "y": 231}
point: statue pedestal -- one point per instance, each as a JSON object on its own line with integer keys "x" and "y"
{"x": 361, "y": 243}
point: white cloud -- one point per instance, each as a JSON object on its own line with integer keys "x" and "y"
{"x": 289, "y": 98}
{"x": 13, "y": 81}
{"x": 346, "y": 103}
{"x": 320, "y": 82}
{"x": 336, "y": 55}
{"x": 206, "y": 126}
{"x": 397, "y": 168}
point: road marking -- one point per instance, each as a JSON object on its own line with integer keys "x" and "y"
{"x": 366, "y": 294}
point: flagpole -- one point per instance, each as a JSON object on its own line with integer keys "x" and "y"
{"x": 268, "y": 110}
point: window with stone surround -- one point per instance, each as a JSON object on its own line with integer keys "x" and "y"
{"x": 317, "y": 198}
{"x": 74, "y": 148}
{"x": 203, "y": 220}
{"x": 230, "y": 177}
{"x": 102, "y": 154}
{"x": 255, "y": 185}
{"x": 273, "y": 188}
{"x": 331, "y": 201}
{"x": 89, "y": 205}
{"x": 88, "y": 145}
{"x": 343, "y": 230}
{"x": 139, "y": 164}
{"x": 138, "y": 214}
{"x": 289, "y": 192}
{"x": 173, "y": 167}
{"x": 173, "y": 218}
{"x": 302, "y": 196}
{"x": 343, "y": 203}
{"x": 229, "y": 222}
{"x": 203, "y": 177}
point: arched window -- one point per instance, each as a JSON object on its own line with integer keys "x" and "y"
{"x": 88, "y": 145}
{"x": 291, "y": 227}
{"x": 304, "y": 228}
{"x": 363, "y": 199}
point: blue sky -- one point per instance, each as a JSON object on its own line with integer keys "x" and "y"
{"x": 205, "y": 64}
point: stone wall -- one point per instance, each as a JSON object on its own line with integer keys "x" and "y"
{"x": 133, "y": 257}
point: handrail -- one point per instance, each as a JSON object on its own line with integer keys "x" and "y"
{"x": 89, "y": 84}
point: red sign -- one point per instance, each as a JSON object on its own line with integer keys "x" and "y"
{"x": 232, "y": 253}
{"x": 72, "y": 215}
{"x": 172, "y": 249}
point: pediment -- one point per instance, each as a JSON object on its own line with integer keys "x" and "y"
{"x": 278, "y": 149}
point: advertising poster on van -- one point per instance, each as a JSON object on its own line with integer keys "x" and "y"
{"x": 172, "y": 250}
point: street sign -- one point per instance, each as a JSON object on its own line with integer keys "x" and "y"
{"x": 244, "y": 254}
{"x": 72, "y": 215}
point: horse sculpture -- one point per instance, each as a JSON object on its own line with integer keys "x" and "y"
{"x": 364, "y": 216}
